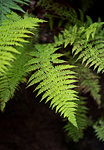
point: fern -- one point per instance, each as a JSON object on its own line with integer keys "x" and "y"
{"x": 87, "y": 43}
{"x": 55, "y": 78}
{"x": 99, "y": 130}
{"x": 90, "y": 48}
{"x": 81, "y": 118}
{"x": 57, "y": 82}
{"x": 9, "y": 81}
{"x": 69, "y": 36}
{"x": 88, "y": 82}
{"x": 7, "y": 5}
{"x": 12, "y": 32}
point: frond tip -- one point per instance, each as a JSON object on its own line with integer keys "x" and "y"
{"x": 81, "y": 118}
{"x": 56, "y": 81}
{"x": 99, "y": 130}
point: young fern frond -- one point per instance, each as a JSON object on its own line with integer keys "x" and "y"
{"x": 7, "y": 5}
{"x": 13, "y": 32}
{"x": 56, "y": 80}
{"x": 99, "y": 130}
{"x": 81, "y": 118}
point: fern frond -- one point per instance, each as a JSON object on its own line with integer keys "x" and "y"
{"x": 81, "y": 118}
{"x": 99, "y": 130}
{"x": 55, "y": 82}
{"x": 7, "y": 5}
{"x": 68, "y": 37}
{"x": 14, "y": 75}
{"x": 91, "y": 54}
{"x": 88, "y": 82}
{"x": 13, "y": 32}
{"x": 87, "y": 44}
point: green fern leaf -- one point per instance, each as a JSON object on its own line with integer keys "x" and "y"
{"x": 14, "y": 75}
{"x": 81, "y": 118}
{"x": 12, "y": 33}
{"x": 89, "y": 47}
{"x": 7, "y": 5}
{"x": 91, "y": 30}
{"x": 55, "y": 82}
{"x": 88, "y": 82}
{"x": 87, "y": 43}
{"x": 99, "y": 130}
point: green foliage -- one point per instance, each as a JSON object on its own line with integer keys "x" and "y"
{"x": 12, "y": 32}
{"x": 81, "y": 118}
{"x": 57, "y": 82}
{"x": 59, "y": 77}
{"x": 88, "y": 82}
{"x": 6, "y": 6}
{"x": 90, "y": 48}
{"x": 99, "y": 130}
{"x": 15, "y": 74}
{"x": 87, "y": 45}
